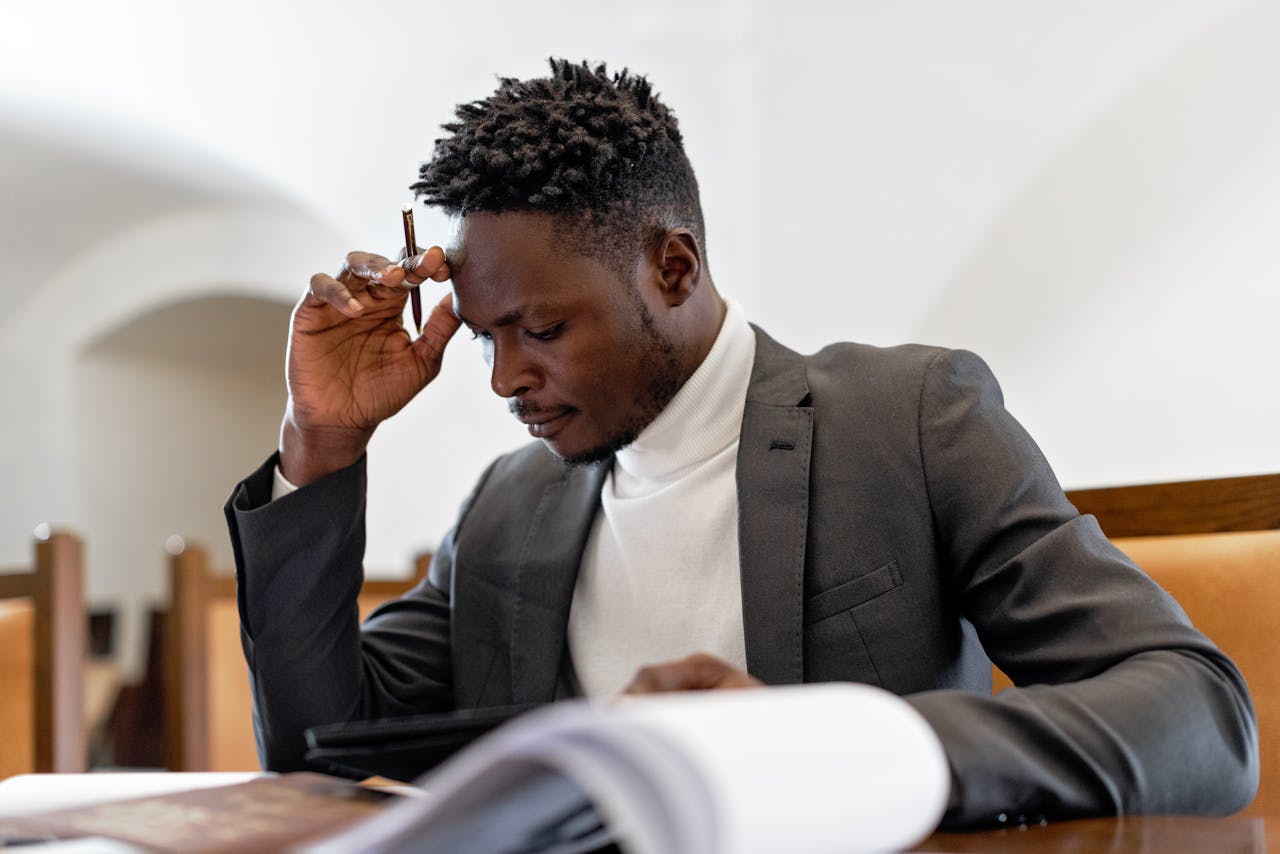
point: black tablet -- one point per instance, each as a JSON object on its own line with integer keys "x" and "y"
{"x": 402, "y": 748}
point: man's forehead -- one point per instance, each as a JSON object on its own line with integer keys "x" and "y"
{"x": 454, "y": 249}
{"x": 497, "y": 237}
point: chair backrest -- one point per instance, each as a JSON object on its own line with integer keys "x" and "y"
{"x": 1215, "y": 546}
{"x": 42, "y": 651}
{"x": 208, "y": 701}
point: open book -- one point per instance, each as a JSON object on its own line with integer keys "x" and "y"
{"x": 817, "y": 768}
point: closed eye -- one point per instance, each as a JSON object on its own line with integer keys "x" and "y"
{"x": 475, "y": 335}
{"x": 546, "y": 334}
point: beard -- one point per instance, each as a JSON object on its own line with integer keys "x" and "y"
{"x": 658, "y": 360}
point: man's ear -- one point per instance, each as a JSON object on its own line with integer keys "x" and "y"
{"x": 678, "y": 262}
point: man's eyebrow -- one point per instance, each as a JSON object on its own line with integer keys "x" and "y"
{"x": 536, "y": 312}
{"x": 505, "y": 320}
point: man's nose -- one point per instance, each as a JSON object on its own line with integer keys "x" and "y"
{"x": 511, "y": 374}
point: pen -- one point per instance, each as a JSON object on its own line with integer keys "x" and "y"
{"x": 411, "y": 249}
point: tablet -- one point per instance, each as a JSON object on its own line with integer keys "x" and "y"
{"x": 402, "y": 748}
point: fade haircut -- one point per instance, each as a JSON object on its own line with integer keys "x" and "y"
{"x": 599, "y": 152}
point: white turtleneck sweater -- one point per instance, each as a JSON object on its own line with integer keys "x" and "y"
{"x": 659, "y": 577}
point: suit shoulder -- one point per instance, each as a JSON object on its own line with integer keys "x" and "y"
{"x": 895, "y": 379}
{"x": 885, "y": 369}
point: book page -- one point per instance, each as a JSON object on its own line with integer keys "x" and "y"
{"x": 813, "y": 768}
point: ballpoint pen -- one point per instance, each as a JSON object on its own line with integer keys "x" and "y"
{"x": 411, "y": 249}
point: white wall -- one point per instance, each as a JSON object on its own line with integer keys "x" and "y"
{"x": 1128, "y": 293}
{"x": 1081, "y": 192}
{"x": 205, "y": 409}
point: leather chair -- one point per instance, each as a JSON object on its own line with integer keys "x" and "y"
{"x": 207, "y": 697}
{"x": 42, "y": 652}
{"x": 1215, "y": 546}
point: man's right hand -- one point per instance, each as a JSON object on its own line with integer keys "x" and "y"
{"x": 351, "y": 362}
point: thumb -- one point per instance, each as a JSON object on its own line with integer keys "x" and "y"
{"x": 440, "y": 327}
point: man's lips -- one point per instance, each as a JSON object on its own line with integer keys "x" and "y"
{"x": 543, "y": 425}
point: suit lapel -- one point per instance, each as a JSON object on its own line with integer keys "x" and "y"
{"x": 773, "y": 512}
{"x": 546, "y": 575}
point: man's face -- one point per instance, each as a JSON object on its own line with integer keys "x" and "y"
{"x": 575, "y": 351}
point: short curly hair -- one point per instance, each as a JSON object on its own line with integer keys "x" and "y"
{"x": 599, "y": 152}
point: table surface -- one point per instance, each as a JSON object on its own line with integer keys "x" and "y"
{"x": 1147, "y": 834}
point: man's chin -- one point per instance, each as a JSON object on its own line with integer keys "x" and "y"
{"x": 574, "y": 459}
{"x": 575, "y": 456}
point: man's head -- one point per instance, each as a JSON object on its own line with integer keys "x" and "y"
{"x": 598, "y": 152}
{"x": 578, "y": 256}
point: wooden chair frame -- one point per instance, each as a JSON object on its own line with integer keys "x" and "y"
{"x": 1186, "y": 507}
{"x": 193, "y": 585}
{"x": 55, "y": 586}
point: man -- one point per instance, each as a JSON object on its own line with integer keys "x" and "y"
{"x": 702, "y": 500}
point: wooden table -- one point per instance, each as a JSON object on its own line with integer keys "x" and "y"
{"x": 1150, "y": 835}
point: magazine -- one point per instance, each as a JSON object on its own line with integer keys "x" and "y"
{"x": 813, "y": 768}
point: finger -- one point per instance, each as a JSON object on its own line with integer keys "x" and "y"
{"x": 370, "y": 277}
{"x": 641, "y": 683}
{"x": 366, "y": 265}
{"x": 427, "y": 265}
{"x": 373, "y": 279}
{"x": 659, "y": 679}
{"x": 440, "y": 327}
{"x": 706, "y": 671}
{"x": 698, "y": 672}
{"x": 325, "y": 289}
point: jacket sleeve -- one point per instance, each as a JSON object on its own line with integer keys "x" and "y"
{"x": 1121, "y": 706}
{"x": 299, "y": 569}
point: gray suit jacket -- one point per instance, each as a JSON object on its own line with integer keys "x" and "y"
{"x": 896, "y": 527}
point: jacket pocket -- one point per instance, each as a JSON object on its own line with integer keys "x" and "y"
{"x": 853, "y": 593}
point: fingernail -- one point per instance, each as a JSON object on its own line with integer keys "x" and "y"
{"x": 354, "y": 305}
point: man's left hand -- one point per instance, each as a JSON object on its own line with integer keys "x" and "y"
{"x": 698, "y": 672}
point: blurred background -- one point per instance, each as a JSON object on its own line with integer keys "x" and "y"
{"x": 1085, "y": 193}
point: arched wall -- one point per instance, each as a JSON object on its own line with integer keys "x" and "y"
{"x": 167, "y": 406}
{"x": 228, "y": 251}
{"x": 88, "y": 415}
{"x": 128, "y": 447}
